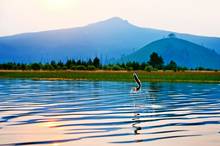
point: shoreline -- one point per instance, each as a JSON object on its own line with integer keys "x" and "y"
{"x": 103, "y": 75}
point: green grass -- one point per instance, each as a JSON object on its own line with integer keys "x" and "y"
{"x": 114, "y": 75}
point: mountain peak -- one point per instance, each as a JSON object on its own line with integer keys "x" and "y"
{"x": 114, "y": 21}
{"x": 118, "y": 19}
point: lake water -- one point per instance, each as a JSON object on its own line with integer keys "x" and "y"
{"x": 82, "y": 113}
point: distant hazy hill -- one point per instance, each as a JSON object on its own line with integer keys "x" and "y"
{"x": 107, "y": 39}
{"x": 183, "y": 52}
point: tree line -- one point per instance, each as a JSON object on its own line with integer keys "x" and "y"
{"x": 155, "y": 63}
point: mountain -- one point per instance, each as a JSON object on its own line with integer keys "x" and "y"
{"x": 107, "y": 39}
{"x": 183, "y": 52}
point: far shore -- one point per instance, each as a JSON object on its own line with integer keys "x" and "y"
{"x": 108, "y": 75}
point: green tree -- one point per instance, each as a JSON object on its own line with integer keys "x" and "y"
{"x": 89, "y": 62}
{"x": 60, "y": 65}
{"x": 48, "y": 67}
{"x": 69, "y": 63}
{"x": 23, "y": 67}
{"x": 96, "y": 62}
{"x": 156, "y": 61}
{"x": 36, "y": 66}
{"x": 172, "y": 35}
{"x": 79, "y": 62}
{"x": 53, "y": 63}
{"x": 172, "y": 66}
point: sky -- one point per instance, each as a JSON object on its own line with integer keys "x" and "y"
{"x": 200, "y": 17}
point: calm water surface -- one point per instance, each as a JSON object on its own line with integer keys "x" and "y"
{"x": 57, "y": 113}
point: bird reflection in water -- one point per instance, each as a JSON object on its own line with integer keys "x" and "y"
{"x": 136, "y": 118}
{"x": 147, "y": 102}
{"x": 135, "y": 124}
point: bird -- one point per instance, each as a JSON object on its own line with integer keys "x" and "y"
{"x": 137, "y": 81}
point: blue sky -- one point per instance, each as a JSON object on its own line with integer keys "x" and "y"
{"x": 200, "y": 17}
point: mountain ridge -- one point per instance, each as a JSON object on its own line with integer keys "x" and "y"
{"x": 107, "y": 39}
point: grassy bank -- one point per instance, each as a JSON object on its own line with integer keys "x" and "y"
{"x": 114, "y": 75}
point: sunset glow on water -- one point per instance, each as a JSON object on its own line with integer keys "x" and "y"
{"x": 106, "y": 113}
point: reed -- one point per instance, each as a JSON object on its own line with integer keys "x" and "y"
{"x": 158, "y": 76}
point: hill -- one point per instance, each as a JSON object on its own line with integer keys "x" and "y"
{"x": 183, "y": 52}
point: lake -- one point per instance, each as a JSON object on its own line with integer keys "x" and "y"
{"x": 102, "y": 113}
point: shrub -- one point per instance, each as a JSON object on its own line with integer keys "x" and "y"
{"x": 129, "y": 68}
{"x": 171, "y": 66}
{"x": 48, "y": 67}
{"x": 80, "y": 67}
{"x": 36, "y": 66}
{"x": 64, "y": 68}
{"x": 107, "y": 67}
{"x": 200, "y": 68}
{"x": 73, "y": 67}
{"x": 91, "y": 67}
{"x": 116, "y": 67}
{"x": 149, "y": 68}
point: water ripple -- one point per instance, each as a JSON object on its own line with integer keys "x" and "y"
{"x": 70, "y": 111}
